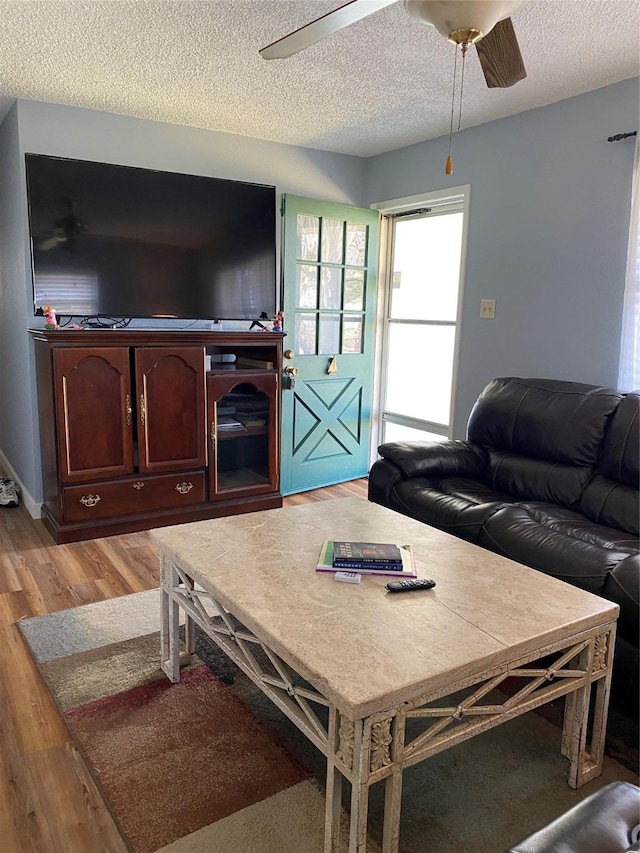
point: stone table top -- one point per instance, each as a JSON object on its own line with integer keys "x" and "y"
{"x": 363, "y": 648}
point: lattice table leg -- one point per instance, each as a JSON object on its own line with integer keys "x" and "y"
{"x": 360, "y": 789}
{"x": 334, "y": 789}
{"x": 169, "y": 621}
{"x": 567, "y": 726}
{"x": 586, "y": 760}
{"x": 393, "y": 789}
{"x": 189, "y": 633}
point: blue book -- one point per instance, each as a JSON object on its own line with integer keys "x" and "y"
{"x": 363, "y": 564}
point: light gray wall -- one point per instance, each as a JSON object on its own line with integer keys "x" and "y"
{"x": 548, "y": 231}
{"x": 19, "y": 439}
{"x": 86, "y": 134}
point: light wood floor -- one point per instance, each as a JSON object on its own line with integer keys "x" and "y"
{"x": 48, "y": 801}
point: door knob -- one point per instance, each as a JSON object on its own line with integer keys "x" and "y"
{"x": 290, "y": 371}
{"x": 288, "y": 353}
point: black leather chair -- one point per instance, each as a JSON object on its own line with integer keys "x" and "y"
{"x": 605, "y": 822}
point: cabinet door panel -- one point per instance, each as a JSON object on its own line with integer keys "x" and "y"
{"x": 170, "y": 387}
{"x": 243, "y": 429}
{"x": 93, "y": 389}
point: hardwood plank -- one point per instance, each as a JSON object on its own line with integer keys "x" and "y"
{"x": 14, "y": 606}
{"x": 48, "y": 801}
{"x": 352, "y": 489}
{"x": 34, "y": 714}
{"x": 69, "y": 804}
{"x": 19, "y": 830}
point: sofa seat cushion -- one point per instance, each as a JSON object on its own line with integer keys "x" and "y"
{"x": 559, "y": 542}
{"x": 457, "y": 505}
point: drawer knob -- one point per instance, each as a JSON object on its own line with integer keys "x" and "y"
{"x": 184, "y": 488}
{"x": 137, "y": 486}
{"x": 89, "y": 500}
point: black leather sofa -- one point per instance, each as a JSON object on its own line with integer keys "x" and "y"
{"x": 548, "y": 476}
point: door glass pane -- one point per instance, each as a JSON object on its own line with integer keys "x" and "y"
{"x": 329, "y": 342}
{"x": 356, "y": 254}
{"x": 351, "y": 334}
{"x": 330, "y": 287}
{"x": 306, "y": 286}
{"x": 398, "y": 432}
{"x": 332, "y": 241}
{"x": 425, "y": 352}
{"x": 306, "y": 334}
{"x": 308, "y": 237}
{"x": 354, "y": 290}
{"x": 426, "y": 268}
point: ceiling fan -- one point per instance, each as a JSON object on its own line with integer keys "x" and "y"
{"x": 66, "y": 230}
{"x": 485, "y": 23}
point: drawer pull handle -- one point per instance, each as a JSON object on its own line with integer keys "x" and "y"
{"x": 138, "y": 486}
{"x": 89, "y": 500}
{"x": 128, "y": 409}
{"x": 142, "y": 410}
{"x": 184, "y": 488}
{"x": 213, "y": 435}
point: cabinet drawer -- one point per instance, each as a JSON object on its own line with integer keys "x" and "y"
{"x": 133, "y": 495}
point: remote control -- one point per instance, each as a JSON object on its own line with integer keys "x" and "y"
{"x": 347, "y": 577}
{"x": 407, "y": 586}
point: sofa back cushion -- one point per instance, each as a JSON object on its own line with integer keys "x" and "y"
{"x": 611, "y": 497}
{"x": 543, "y": 436}
{"x": 535, "y": 479}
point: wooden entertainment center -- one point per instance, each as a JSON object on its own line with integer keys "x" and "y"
{"x": 136, "y": 433}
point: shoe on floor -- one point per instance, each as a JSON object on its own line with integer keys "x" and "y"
{"x": 8, "y": 492}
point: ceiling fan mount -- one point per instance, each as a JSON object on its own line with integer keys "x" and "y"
{"x": 485, "y": 23}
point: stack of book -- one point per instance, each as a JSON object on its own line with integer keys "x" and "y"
{"x": 367, "y": 558}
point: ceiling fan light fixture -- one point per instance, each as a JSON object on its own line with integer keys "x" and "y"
{"x": 467, "y": 35}
{"x": 451, "y": 16}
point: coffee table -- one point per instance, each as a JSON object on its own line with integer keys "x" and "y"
{"x": 380, "y": 681}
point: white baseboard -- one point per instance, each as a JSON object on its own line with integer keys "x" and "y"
{"x": 33, "y": 508}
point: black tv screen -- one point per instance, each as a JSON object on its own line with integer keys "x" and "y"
{"x": 117, "y": 241}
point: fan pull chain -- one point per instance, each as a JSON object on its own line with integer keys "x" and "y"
{"x": 448, "y": 170}
{"x": 464, "y": 48}
{"x": 449, "y": 167}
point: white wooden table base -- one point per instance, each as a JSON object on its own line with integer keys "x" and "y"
{"x": 375, "y": 748}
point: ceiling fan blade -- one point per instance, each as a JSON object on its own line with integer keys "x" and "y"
{"x": 323, "y": 26}
{"x": 500, "y": 56}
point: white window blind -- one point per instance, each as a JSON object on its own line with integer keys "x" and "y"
{"x": 73, "y": 295}
{"x": 629, "y": 373}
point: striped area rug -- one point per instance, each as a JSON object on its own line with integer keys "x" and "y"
{"x": 209, "y": 765}
{"x": 184, "y": 768}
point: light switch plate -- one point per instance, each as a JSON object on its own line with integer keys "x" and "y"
{"x": 487, "y": 309}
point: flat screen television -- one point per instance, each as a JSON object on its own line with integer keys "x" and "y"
{"x": 123, "y": 242}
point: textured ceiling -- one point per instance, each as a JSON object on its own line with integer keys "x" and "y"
{"x": 380, "y": 84}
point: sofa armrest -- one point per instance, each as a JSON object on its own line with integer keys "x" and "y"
{"x": 436, "y": 458}
{"x": 382, "y": 478}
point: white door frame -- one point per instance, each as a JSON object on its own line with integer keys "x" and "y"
{"x": 436, "y": 199}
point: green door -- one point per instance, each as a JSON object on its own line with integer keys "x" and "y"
{"x": 330, "y": 256}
